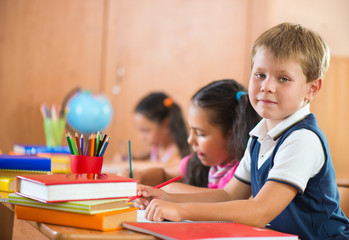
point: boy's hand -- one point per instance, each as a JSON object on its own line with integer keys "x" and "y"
{"x": 159, "y": 210}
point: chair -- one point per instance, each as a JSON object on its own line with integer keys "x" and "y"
{"x": 344, "y": 199}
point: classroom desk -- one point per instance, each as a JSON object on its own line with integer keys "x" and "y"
{"x": 12, "y": 228}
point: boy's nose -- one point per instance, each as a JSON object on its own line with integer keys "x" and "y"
{"x": 267, "y": 85}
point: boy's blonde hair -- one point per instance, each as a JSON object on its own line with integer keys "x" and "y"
{"x": 292, "y": 41}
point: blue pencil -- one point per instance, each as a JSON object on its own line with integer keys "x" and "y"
{"x": 82, "y": 144}
{"x": 104, "y": 147}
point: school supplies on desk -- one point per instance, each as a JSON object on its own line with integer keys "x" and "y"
{"x": 36, "y": 149}
{"x": 159, "y": 186}
{"x": 205, "y": 230}
{"x": 54, "y": 124}
{"x": 83, "y": 207}
{"x": 60, "y": 163}
{"x": 7, "y": 184}
{"x": 96, "y": 144}
{"x": 85, "y": 164}
{"x": 73, "y": 187}
{"x": 25, "y": 162}
{"x": 130, "y": 158}
{"x": 102, "y": 221}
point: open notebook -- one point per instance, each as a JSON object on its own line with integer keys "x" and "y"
{"x": 202, "y": 230}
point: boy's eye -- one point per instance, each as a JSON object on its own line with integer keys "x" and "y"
{"x": 260, "y": 75}
{"x": 284, "y": 79}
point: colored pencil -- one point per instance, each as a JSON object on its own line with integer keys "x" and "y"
{"x": 105, "y": 145}
{"x": 159, "y": 186}
{"x": 101, "y": 142}
{"x": 72, "y": 144}
{"x": 78, "y": 143}
{"x": 97, "y": 144}
{"x": 88, "y": 149}
{"x": 130, "y": 158}
{"x": 92, "y": 146}
{"x": 69, "y": 143}
{"x": 82, "y": 144}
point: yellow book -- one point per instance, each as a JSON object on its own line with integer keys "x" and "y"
{"x": 60, "y": 163}
{"x": 7, "y": 183}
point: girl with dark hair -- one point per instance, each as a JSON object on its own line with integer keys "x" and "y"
{"x": 160, "y": 123}
{"x": 220, "y": 118}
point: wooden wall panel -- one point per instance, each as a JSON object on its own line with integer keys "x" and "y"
{"x": 174, "y": 46}
{"x": 46, "y": 49}
{"x": 331, "y": 109}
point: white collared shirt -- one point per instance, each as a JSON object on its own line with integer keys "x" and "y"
{"x": 299, "y": 158}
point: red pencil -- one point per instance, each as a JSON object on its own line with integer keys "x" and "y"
{"x": 159, "y": 186}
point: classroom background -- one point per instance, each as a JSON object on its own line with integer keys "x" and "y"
{"x": 47, "y": 48}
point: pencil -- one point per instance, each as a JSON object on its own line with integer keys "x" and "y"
{"x": 101, "y": 143}
{"x": 78, "y": 143}
{"x": 97, "y": 144}
{"x": 72, "y": 144}
{"x": 105, "y": 145}
{"x": 88, "y": 149}
{"x": 69, "y": 143}
{"x": 92, "y": 150}
{"x": 82, "y": 144}
{"x": 130, "y": 158}
{"x": 159, "y": 186}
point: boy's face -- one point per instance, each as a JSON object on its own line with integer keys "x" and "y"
{"x": 278, "y": 88}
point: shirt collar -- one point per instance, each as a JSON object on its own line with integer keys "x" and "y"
{"x": 260, "y": 130}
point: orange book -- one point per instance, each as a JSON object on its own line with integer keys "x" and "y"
{"x": 102, "y": 221}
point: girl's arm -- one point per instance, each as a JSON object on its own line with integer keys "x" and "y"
{"x": 234, "y": 190}
{"x": 178, "y": 187}
{"x": 272, "y": 199}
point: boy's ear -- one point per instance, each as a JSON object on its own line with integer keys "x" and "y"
{"x": 313, "y": 89}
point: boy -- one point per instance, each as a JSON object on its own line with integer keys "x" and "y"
{"x": 287, "y": 166}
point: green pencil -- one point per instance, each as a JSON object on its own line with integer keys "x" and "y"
{"x": 130, "y": 158}
{"x": 69, "y": 143}
{"x": 72, "y": 144}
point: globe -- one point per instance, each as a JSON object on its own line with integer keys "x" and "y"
{"x": 89, "y": 112}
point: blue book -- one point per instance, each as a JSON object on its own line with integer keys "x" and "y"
{"x": 25, "y": 162}
{"x": 35, "y": 149}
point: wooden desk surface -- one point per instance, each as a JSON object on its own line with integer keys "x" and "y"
{"x": 23, "y": 229}
{"x": 69, "y": 233}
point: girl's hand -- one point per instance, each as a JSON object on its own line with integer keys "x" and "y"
{"x": 147, "y": 194}
{"x": 159, "y": 210}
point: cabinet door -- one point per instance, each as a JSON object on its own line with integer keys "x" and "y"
{"x": 173, "y": 46}
{"x": 46, "y": 49}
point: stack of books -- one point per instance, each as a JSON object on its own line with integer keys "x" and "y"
{"x": 59, "y": 155}
{"x": 92, "y": 201}
{"x": 13, "y": 165}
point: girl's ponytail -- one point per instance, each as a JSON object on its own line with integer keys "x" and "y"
{"x": 245, "y": 119}
{"x": 179, "y": 129}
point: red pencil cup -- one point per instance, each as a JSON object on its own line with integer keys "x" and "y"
{"x": 85, "y": 164}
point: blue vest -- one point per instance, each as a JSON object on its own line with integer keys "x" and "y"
{"x": 315, "y": 213}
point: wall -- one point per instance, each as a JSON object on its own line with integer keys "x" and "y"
{"x": 49, "y": 47}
